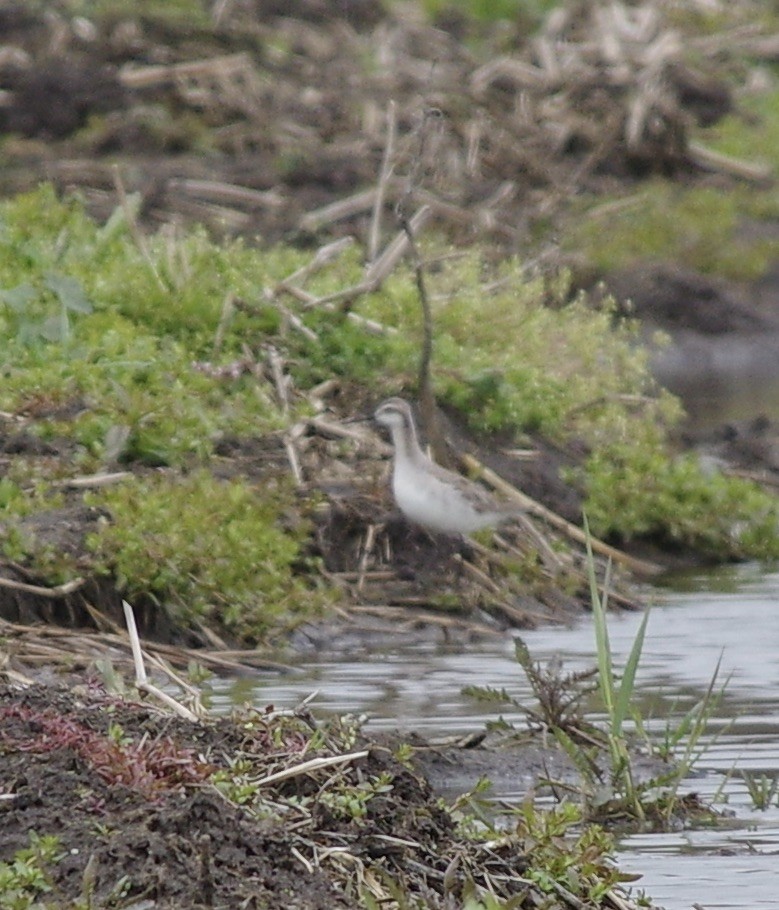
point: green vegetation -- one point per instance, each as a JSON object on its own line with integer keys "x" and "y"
{"x": 648, "y": 493}
{"x": 120, "y": 354}
{"x": 567, "y": 855}
{"x": 609, "y": 789}
{"x": 763, "y": 790}
{"x": 207, "y": 547}
{"x": 109, "y": 355}
{"x": 697, "y": 225}
{"x": 752, "y": 134}
{"x": 529, "y": 12}
{"x": 616, "y": 697}
{"x": 25, "y": 879}
{"x": 707, "y": 229}
{"x": 193, "y": 12}
{"x": 563, "y": 854}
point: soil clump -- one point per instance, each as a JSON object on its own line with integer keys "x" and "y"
{"x": 130, "y": 794}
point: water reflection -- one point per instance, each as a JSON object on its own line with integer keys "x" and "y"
{"x": 699, "y": 619}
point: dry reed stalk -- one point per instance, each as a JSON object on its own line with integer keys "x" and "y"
{"x": 639, "y": 566}
{"x": 314, "y": 764}
{"x": 91, "y": 481}
{"x": 374, "y": 232}
{"x": 227, "y": 193}
{"x": 55, "y": 593}
{"x": 142, "y": 683}
{"x": 135, "y": 231}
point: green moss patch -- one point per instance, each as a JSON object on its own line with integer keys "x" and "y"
{"x": 211, "y": 548}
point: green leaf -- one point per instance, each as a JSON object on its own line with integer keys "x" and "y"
{"x": 602, "y": 645}
{"x": 70, "y": 292}
{"x": 19, "y": 297}
{"x": 56, "y": 328}
{"x": 627, "y": 683}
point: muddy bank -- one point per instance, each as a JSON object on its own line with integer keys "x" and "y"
{"x": 273, "y": 122}
{"x": 719, "y": 355}
{"x": 161, "y": 812}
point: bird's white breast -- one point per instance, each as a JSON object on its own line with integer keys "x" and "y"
{"x": 430, "y": 502}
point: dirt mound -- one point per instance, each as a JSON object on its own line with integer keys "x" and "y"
{"x": 150, "y": 807}
{"x": 273, "y": 119}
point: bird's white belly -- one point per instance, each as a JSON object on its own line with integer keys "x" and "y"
{"x": 427, "y": 501}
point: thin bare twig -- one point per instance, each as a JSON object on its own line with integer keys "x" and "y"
{"x": 384, "y": 176}
{"x": 314, "y": 764}
{"x": 135, "y": 231}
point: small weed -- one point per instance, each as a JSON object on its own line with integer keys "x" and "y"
{"x": 763, "y": 790}
{"x": 43, "y": 312}
{"x": 152, "y": 767}
{"x": 559, "y": 696}
{"x": 611, "y": 792}
{"x": 562, "y": 854}
{"x": 351, "y": 800}
{"x": 616, "y": 697}
{"x": 25, "y": 879}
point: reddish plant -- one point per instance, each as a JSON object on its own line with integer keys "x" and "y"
{"x": 150, "y": 766}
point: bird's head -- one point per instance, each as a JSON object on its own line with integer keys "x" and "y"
{"x": 394, "y": 413}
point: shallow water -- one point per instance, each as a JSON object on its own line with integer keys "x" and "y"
{"x": 726, "y": 378}
{"x": 731, "y": 616}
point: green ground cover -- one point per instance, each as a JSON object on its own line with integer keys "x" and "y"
{"x": 118, "y": 354}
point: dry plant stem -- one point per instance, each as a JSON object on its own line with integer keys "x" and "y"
{"x": 403, "y": 617}
{"x": 228, "y": 193}
{"x": 570, "y": 899}
{"x": 426, "y": 397}
{"x": 374, "y": 233}
{"x": 396, "y": 249}
{"x": 294, "y": 461}
{"x": 477, "y": 575}
{"x": 50, "y": 593}
{"x": 69, "y": 646}
{"x": 367, "y": 549}
{"x": 276, "y": 364}
{"x": 332, "y": 430}
{"x": 228, "y": 308}
{"x": 315, "y": 764}
{"x": 147, "y": 76}
{"x": 291, "y": 319}
{"x": 710, "y": 160}
{"x": 356, "y": 204}
{"x": 377, "y": 575}
{"x": 135, "y": 645}
{"x": 103, "y": 622}
{"x": 135, "y": 231}
{"x": 324, "y": 255}
{"x": 639, "y": 566}
{"x": 552, "y": 561}
{"x": 142, "y": 683}
{"x": 89, "y": 481}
